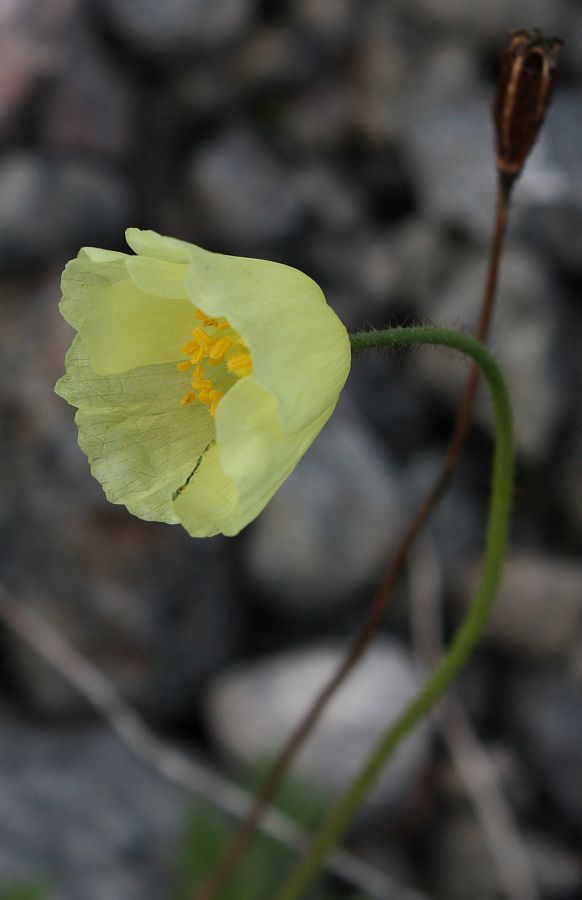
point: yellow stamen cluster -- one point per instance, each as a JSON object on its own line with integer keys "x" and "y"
{"x": 218, "y": 356}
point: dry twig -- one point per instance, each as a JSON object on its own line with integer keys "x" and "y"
{"x": 171, "y": 763}
{"x": 469, "y": 756}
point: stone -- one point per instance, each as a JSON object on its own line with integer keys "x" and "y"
{"x": 78, "y": 810}
{"x": 155, "y": 619}
{"x": 204, "y": 91}
{"x": 252, "y": 708}
{"x": 548, "y": 207}
{"x": 544, "y": 713}
{"x": 278, "y": 58}
{"x": 381, "y": 274}
{"x": 93, "y": 112}
{"x": 524, "y": 337}
{"x": 394, "y": 405}
{"x": 569, "y": 24}
{"x": 424, "y": 259}
{"x": 49, "y": 208}
{"x": 569, "y": 475}
{"x": 23, "y": 66}
{"x": 458, "y": 523}
{"x": 538, "y": 611}
{"x": 332, "y": 20}
{"x": 551, "y": 175}
{"x": 31, "y": 41}
{"x": 321, "y": 118}
{"x": 165, "y": 30}
{"x": 556, "y": 868}
{"x": 329, "y": 529}
{"x": 448, "y": 137}
{"x": 356, "y": 267}
{"x": 383, "y": 65}
{"x": 552, "y": 225}
{"x": 574, "y": 660}
{"x": 330, "y": 202}
{"x": 463, "y": 867}
{"x": 488, "y": 22}
{"x": 242, "y": 190}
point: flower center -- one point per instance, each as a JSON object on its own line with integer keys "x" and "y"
{"x": 218, "y": 357}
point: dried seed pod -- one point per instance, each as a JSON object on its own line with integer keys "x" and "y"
{"x": 529, "y": 69}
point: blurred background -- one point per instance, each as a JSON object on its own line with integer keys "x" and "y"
{"x": 352, "y": 140}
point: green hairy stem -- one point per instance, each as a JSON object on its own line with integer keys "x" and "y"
{"x": 471, "y": 628}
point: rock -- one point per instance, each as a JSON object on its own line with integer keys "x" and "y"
{"x": 569, "y": 23}
{"x": 31, "y": 45}
{"x": 328, "y": 199}
{"x": 23, "y": 66}
{"x": 424, "y": 258}
{"x": 538, "y": 612}
{"x": 385, "y": 59}
{"x": 569, "y": 475}
{"x": 357, "y": 268}
{"x": 489, "y": 22}
{"x": 275, "y": 60}
{"x": 552, "y": 225}
{"x": 548, "y": 207}
{"x": 77, "y": 809}
{"x": 557, "y": 869}
{"x": 550, "y": 177}
{"x": 49, "y": 208}
{"x": 326, "y": 533}
{"x": 154, "y": 612}
{"x": 574, "y": 661}
{"x": 524, "y": 337}
{"x": 448, "y": 137}
{"x": 457, "y": 525}
{"x": 243, "y": 190}
{"x": 280, "y": 59}
{"x": 463, "y": 867}
{"x": 163, "y": 30}
{"x": 545, "y": 715}
{"x": 332, "y": 20}
{"x": 385, "y": 274}
{"x": 94, "y": 111}
{"x": 253, "y": 708}
{"x": 205, "y": 91}
{"x": 320, "y": 118}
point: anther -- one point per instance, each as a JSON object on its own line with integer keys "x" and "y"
{"x": 220, "y": 348}
{"x": 201, "y": 337}
{"x": 207, "y": 351}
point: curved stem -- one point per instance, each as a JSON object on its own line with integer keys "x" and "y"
{"x": 471, "y": 628}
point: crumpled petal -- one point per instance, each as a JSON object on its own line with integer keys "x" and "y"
{"x": 140, "y": 442}
{"x": 124, "y": 327}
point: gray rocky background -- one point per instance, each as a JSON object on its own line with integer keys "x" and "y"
{"x": 350, "y": 138}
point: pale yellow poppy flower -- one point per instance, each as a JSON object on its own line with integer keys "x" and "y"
{"x": 200, "y": 379}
